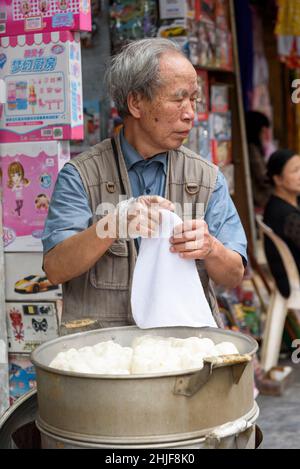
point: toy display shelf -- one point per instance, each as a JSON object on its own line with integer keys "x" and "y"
{"x": 242, "y": 196}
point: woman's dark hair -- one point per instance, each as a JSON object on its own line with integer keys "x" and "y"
{"x": 277, "y": 162}
{"x": 255, "y": 122}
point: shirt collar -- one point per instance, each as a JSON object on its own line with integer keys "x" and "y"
{"x": 132, "y": 157}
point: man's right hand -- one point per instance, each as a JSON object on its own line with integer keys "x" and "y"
{"x": 135, "y": 218}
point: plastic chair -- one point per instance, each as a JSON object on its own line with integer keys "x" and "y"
{"x": 279, "y": 306}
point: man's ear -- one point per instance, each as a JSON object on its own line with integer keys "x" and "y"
{"x": 134, "y": 101}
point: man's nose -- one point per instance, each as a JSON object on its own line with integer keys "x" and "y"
{"x": 188, "y": 112}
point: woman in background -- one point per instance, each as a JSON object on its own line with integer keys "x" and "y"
{"x": 282, "y": 212}
{"x": 259, "y": 137}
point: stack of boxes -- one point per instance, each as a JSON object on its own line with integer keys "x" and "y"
{"x": 41, "y": 68}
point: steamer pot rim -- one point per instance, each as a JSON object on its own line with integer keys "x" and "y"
{"x": 37, "y": 363}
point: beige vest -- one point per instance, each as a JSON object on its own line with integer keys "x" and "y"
{"x": 103, "y": 293}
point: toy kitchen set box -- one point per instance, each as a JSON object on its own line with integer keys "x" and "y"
{"x": 30, "y": 16}
{"x": 42, "y": 75}
{"x": 29, "y": 173}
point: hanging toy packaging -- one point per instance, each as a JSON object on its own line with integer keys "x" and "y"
{"x": 131, "y": 20}
{"x": 28, "y": 177}
{"x": 29, "y": 16}
{"x": 42, "y": 73}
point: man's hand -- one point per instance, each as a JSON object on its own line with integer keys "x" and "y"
{"x": 143, "y": 217}
{"x": 192, "y": 240}
{"x": 135, "y": 218}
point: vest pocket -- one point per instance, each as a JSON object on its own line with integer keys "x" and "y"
{"x": 111, "y": 272}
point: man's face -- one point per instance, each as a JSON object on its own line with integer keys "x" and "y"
{"x": 167, "y": 119}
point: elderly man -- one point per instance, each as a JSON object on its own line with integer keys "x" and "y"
{"x": 155, "y": 91}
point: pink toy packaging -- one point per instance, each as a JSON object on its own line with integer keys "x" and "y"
{"x": 30, "y": 16}
{"x": 42, "y": 75}
{"x": 29, "y": 173}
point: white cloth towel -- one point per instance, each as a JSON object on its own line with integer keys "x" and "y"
{"x": 166, "y": 289}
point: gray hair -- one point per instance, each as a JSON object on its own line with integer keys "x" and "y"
{"x": 136, "y": 70}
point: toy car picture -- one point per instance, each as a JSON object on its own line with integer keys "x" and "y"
{"x": 34, "y": 284}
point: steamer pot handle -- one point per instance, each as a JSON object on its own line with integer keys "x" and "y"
{"x": 189, "y": 385}
{"x": 228, "y": 360}
{"x": 214, "y": 439}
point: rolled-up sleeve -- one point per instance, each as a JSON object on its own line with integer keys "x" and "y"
{"x": 69, "y": 211}
{"x": 223, "y": 220}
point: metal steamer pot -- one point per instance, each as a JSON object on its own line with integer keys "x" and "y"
{"x": 85, "y": 410}
{"x": 18, "y": 431}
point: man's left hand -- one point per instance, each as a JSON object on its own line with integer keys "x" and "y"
{"x": 192, "y": 240}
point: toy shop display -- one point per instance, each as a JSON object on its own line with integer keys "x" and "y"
{"x": 177, "y": 31}
{"x": 219, "y": 98}
{"x": 203, "y": 95}
{"x": 131, "y": 20}
{"x": 202, "y": 113}
{"x": 204, "y": 140}
{"x": 241, "y": 308}
{"x": 35, "y": 16}
{"x": 173, "y": 9}
{"x": 22, "y": 376}
{"x": 29, "y": 173}
{"x": 210, "y": 39}
{"x": 30, "y": 324}
{"x": 221, "y": 152}
{"x": 25, "y": 279}
{"x": 220, "y": 133}
{"x": 221, "y": 125}
{"x": 42, "y": 73}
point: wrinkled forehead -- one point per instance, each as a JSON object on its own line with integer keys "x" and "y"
{"x": 176, "y": 70}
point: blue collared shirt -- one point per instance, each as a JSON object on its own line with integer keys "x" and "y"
{"x": 147, "y": 177}
{"x": 70, "y": 212}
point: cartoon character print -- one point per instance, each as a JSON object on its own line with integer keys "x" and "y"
{"x": 17, "y": 324}
{"x": 17, "y": 182}
{"x": 42, "y": 202}
{"x": 63, "y": 4}
{"x": 25, "y": 7}
{"x": 44, "y": 6}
